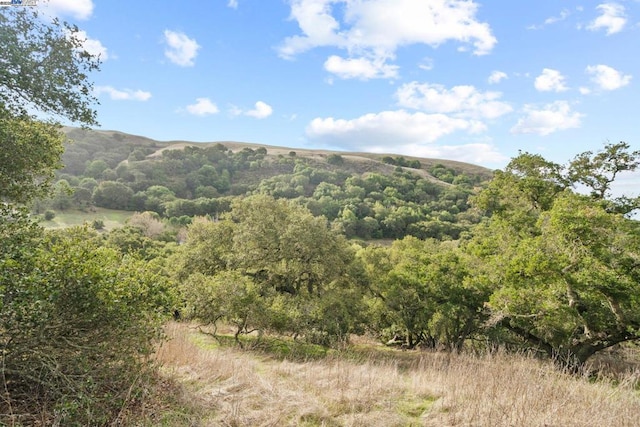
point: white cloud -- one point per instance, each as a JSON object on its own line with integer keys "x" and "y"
{"x": 93, "y": 46}
{"x": 262, "y": 110}
{"x": 78, "y": 9}
{"x": 564, "y": 14}
{"x": 181, "y": 49}
{"x": 426, "y": 64}
{"x": 607, "y": 78}
{"x": 461, "y": 101}
{"x": 375, "y": 29}
{"x": 549, "y": 119}
{"x": 612, "y": 18}
{"x": 553, "y": 19}
{"x": 202, "y": 107}
{"x": 318, "y": 26}
{"x": 233, "y": 4}
{"x": 360, "y": 68}
{"x": 385, "y": 130}
{"x": 479, "y": 153}
{"x": 550, "y": 81}
{"x": 124, "y": 94}
{"x": 497, "y": 77}
{"x": 401, "y": 132}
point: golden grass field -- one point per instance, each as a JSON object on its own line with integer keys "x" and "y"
{"x": 218, "y": 385}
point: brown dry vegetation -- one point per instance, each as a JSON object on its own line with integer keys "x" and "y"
{"x": 229, "y": 387}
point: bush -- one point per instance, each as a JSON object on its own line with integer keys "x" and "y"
{"x": 335, "y": 159}
{"x": 78, "y": 323}
{"x": 49, "y": 215}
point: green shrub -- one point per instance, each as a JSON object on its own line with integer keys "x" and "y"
{"x": 78, "y": 323}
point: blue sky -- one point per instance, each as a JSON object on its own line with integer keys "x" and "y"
{"x": 474, "y": 81}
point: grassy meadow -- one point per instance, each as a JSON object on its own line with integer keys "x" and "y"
{"x": 370, "y": 385}
{"x": 73, "y": 217}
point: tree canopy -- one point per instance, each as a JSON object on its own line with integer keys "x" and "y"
{"x": 30, "y": 153}
{"x": 563, "y": 267}
{"x": 44, "y": 67}
{"x": 270, "y": 265}
{"x": 44, "y": 72}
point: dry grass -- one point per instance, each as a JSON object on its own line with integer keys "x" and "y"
{"x": 243, "y": 388}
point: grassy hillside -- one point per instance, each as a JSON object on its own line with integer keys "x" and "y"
{"x": 97, "y": 142}
{"x": 369, "y": 385}
{"x": 369, "y": 196}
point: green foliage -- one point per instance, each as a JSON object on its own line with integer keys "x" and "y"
{"x": 598, "y": 171}
{"x": 202, "y": 180}
{"x": 29, "y": 154}
{"x": 290, "y": 265}
{"x": 229, "y": 296}
{"x": 562, "y": 267}
{"x": 95, "y": 169}
{"x": 421, "y": 292}
{"x": 131, "y": 240}
{"x": 112, "y": 195}
{"x": 62, "y": 197}
{"x": 45, "y": 67}
{"x": 335, "y": 159}
{"x": 402, "y": 162}
{"x": 78, "y": 323}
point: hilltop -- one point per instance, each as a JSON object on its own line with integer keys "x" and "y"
{"x": 96, "y": 141}
{"x": 367, "y": 195}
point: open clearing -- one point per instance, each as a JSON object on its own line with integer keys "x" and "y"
{"x": 73, "y": 217}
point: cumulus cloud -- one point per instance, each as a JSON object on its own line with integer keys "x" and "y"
{"x": 402, "y": 132}
{"x": 360, "y": 68}
{"x": 382, "y": 131}
{"x": 548, "y": 119}
{"x": 122, "y": 95}
{"x": 371, "y": 31}
{"x": 612, "y": 18}
{"x": 460, "y": 101}
{"x": 181, "y": 50}
{"x": 233, "y": 4}
{"x": 262, "y": 110}
{"x": 93, "y": 46}
{"x": 607, "y": 78}
{"x": 78, "y": 9}
{"x": 497, "y": 77}
{"x": 202, "y": 107}
{"x": 550, "y": 81}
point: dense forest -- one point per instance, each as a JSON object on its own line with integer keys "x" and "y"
{"x": 307, "y": 246}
